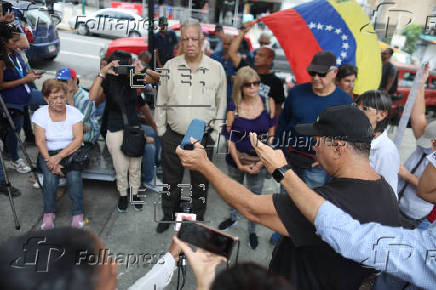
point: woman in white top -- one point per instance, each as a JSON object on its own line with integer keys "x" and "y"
{"x": 58, "y": 133}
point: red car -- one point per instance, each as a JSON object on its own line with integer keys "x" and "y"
{"x": 406, "y": 76}
{"x": 137, "y": 44}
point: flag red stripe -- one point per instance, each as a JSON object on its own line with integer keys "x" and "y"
{"x": 295, "y": 38}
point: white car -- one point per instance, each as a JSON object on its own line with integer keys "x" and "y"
{"x": 111, "y": 22}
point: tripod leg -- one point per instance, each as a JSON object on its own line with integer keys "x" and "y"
{"x": 20, "y": 143}
{"x": 11, "y": 200}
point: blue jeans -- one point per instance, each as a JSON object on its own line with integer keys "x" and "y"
{"x": 254, "y": 184}
{"x": 11, "y": 139}
{"x": 50, "y": 186}
{"x": 149, "y": 131}
{"x": 148, "y": 163}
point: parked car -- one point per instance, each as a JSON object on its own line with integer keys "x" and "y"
{"x": 112, "y": 22}
{"x": 40, "y": 29}
{"x": 406, "y": 77}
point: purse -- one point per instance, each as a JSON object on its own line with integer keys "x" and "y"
{"x": 133, "y": 137}
{"x": 247, "y": 159}
{"x": 79, "y": 160}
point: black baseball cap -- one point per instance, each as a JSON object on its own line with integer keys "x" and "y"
{"x": 322, "y": 62}
{"x": 163, "y": 21}
{"x": 345, "y": 122}
{"x": 218, "y": 27}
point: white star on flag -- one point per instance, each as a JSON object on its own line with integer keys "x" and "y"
{"x": 343, "y": 54}
{"x": 344, "y": 37}
{"x": 329, "y": 28}
{"x": 345, "y": 45}
{"x": 320, "y": 27}
{"x": 338, "y": 61}
{"x": 312, "y": 25}
{"x": 337, "y": 31}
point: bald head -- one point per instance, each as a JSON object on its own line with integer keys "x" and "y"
{"x": 263, "y": 58}
{"x": 227, "y": 41}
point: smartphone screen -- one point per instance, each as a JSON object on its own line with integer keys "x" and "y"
{"x": 206, "y": 238}
{"x": 6, "y": 7}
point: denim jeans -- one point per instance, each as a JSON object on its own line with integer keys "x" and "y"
{"x": 150, "y": 132}
{"x": 254, "y": 183}
{"x": 50, "y": 187}
{"x": 148, "y": 163}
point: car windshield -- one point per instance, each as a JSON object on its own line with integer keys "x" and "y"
{"x": 38, "y": 17}
{"x": 408, "y": 79}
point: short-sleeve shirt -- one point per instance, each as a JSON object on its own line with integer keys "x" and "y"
{"x": 165, "y": 45}
{"x": 388, "y": 71}
{"x": 115, "y": 89}
{"x": 303, "y": 106}
{"x": 310, "y": 263}
{"x": 58, "y": 135}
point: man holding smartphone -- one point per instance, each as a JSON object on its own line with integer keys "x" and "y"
{"x": 343, "y": 138}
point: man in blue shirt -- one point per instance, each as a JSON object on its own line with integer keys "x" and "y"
{"x": 303, "y": 105}
{"x": 164, "y": 41}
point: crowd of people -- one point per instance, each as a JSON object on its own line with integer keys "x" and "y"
{"x": 342, "y": 185}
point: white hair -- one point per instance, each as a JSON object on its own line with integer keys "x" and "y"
{"x": 191, "y": 22}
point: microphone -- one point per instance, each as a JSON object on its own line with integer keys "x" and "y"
{"x": 196, "y": 131}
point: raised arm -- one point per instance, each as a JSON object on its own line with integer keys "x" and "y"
{"x": 417, "y": 116}
{"x": 236, "y": 42}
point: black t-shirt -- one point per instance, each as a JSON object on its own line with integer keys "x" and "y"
{"x": 388, "y": 71}
{"x": 310, "y": 263}
{"x": 270, "y": 85}
{"x": 116, "y": 86}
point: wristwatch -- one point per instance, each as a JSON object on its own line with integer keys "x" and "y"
{"x": 101, "y": 75}
{"x": 279, "y": 173}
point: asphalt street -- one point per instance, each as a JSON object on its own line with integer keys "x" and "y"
{"x": 132, "y": 232}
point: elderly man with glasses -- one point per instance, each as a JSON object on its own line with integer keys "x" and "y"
{"x": 195, "y": 88}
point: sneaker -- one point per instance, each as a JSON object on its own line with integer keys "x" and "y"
{"x": 62, "y": 181}
{"x": 150, "y": 185}
{"x": 47, "y": 221}
{"x": 162, "y": 227}
{"x": 253, "y": 241}
{"x": 77, "y": 221}
{"x": 227, "y": 224}
{"x": 137, "y": 207}
{"x": 21, "y": 166}
{"x": 123, "y": 203}
{"x": 4, "y": 190}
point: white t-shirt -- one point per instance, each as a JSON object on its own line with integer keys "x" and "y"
{"x": 385, "y": 159}
{"x": 58, "y": 135}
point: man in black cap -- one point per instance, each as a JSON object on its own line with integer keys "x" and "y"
{"x": 343, "y": 139}
{"x": 164, "y": 41}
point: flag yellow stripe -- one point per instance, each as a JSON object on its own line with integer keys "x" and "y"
{"x": 368, "y": 59}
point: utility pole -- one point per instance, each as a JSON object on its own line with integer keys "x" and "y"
{"x": 150, "y": 6}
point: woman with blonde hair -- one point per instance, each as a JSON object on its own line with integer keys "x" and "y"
{"x": 253, "y": 114}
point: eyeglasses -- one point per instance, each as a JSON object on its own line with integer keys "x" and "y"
{"x": 264, "y": 43}
{"x": 249, "y": 84}
{"x": 363, "y": 107}
{"x": 185, "y": 39}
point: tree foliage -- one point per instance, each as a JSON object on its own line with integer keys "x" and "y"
{"x": 412, "y": 33}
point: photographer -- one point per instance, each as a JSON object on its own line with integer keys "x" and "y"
{"x": 116, "y": 88}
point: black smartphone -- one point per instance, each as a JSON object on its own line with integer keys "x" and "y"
{"x": 123, "y": 69}
{"x": 207, "y": 238}
{"x": 6, "y": 7}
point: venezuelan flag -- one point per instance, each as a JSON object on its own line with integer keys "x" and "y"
{"x": 339, "y": 26}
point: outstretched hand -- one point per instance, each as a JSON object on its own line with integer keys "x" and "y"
{"x": 203, "y": 263}
{"x": 272, "y": 159}
{"x": 193, "y": 159}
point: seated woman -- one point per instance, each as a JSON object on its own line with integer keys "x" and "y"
{"x": 58, "y": 133}
{"x": 251, "y": 115}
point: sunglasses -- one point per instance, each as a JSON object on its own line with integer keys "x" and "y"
{"x": 314, "y": 73}
{"x": 264, "y": 43}
{"x": 249, "y": 84}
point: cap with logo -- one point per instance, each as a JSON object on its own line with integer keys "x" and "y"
{"x": 322, "y": 62}
{"x": 66, "y": 73}
{"x": 344, "y": 122}
{"x": 163, "y": 21}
